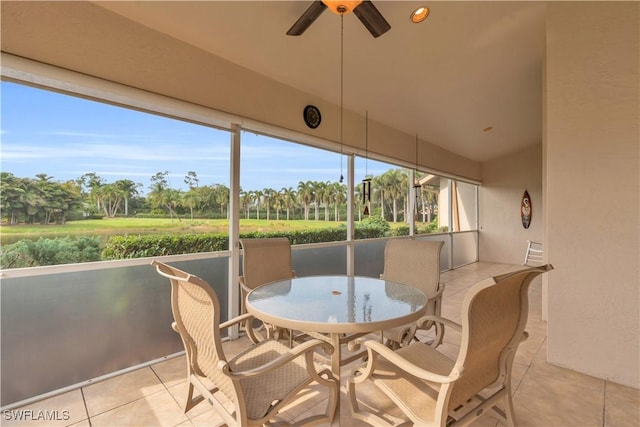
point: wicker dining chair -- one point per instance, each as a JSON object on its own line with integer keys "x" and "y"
{"x": 432, "y": 389}
{"x": 254, "y": 386}
{"x": 264, "y": 260}
{"x": 416, "y": 263}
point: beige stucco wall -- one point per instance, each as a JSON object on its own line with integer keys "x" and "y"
{"x": 592, "y": 148}
{"x": 504, "y": 180}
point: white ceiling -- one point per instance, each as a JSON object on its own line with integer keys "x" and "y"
{"x": 469, "y": 66}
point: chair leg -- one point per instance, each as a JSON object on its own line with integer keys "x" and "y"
{"x": 189, "y": 403}
{"x": 510, "y": 413}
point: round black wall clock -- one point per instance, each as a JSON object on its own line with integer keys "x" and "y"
{"x": 312, "y": 116}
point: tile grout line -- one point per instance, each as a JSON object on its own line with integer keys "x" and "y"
{"x": 86, "y": 408}
{"x": 144, "y": 396}
{"x": 171, "y": 394}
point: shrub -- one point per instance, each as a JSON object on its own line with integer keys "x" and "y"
{"x": 402, "y": 230}
{"x": 123, "y": 247}
{"x": 375, "y": 223}
{"x": 18, "y": 255}
{"x": 61, "y": 250}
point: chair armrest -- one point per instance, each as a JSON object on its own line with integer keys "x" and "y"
{"x": 375, "y": 348}
{"x": 299, "y": 350}
{"x": 235, "y": 320}
{"x": 440, "y": 290}
{"x": 243, "y": 285}
{"x": 437, "y": 319}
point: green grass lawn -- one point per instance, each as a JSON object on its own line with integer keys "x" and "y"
{"x": 120, "y": 226}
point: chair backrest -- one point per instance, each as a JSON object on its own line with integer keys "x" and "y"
{"x": 196, "y": 311}
{"x": 533, "y": 254}
{"x": 413, "y": 262}
{"x": 494, "y": 315}
{"x": 265, "y": 260}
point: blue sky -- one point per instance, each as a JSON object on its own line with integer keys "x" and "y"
{"x": 66, "y": 137}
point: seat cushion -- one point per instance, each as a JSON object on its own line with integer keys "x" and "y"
{"x": 419, "y": 397}
{"x": 260, "y": 392}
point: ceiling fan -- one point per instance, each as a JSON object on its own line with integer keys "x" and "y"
{"x": 364, "y": 10}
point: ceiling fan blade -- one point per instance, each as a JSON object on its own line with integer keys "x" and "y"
{"x": 307, "y": 18}
{"x": 372, "y": 18}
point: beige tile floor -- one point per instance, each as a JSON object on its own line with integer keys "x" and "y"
{"x": 544, "y": 395}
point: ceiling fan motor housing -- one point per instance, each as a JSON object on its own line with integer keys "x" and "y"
{"x": 342, "y": 7}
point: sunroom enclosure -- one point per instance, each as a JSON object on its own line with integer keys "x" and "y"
{"x": 65, "y": 325}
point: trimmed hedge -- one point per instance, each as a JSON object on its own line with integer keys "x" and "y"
{"x": 123, "y": 247}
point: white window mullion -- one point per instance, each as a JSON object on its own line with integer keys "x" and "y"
{"x": 350, "y": 219}
{"x": 234, "y": 228}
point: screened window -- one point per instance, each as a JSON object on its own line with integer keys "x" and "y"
{"x": 77, "y": 174}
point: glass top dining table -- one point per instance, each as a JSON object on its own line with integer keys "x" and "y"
{"x": 336, "y": 304}
{"x": 337, "y": 309}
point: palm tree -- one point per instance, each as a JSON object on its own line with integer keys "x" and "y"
{"x": 392, "y": 183}
{"x": 93, "y": 182}
{"x": 278, "y": 203}
{"x": 111, "y": 196}
{"x": 323, "y": 195}
{"x": 316, "y": 190}
{"x": 395, "y": 189}
{"x": 305, "y": 194}
{"x": 190, "y": 200}
{"x": 432, "y": 194}
{"x": 172, "y": 200}
{"x": 288, "y": 199}
{"x": 268, "y": 196}
{"x": 129, "y": 189}
{"x": 45, "y": 189}
{"x": 257, "y": 198}
{"x": 404, "y": 193}
{"x": 378, "y": 188}
{"x": 245, "y": 202}
{"x": 161, "y": 196}
{"x": 221, "y": 196}
{"x": 339, "y": 196}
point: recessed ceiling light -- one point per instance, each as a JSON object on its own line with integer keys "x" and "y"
{"x": 487, "y": 129}
{"x": 420, "y": 14}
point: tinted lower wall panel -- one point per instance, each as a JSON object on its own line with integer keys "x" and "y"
{"x": 66, "y": 328}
